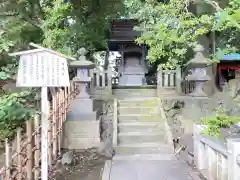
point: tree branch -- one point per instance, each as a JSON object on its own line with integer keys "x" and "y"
{"x": 216, "y": 6}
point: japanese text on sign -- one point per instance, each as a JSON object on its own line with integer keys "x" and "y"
{"x": 42, "y": 69}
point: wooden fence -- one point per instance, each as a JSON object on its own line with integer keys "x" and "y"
{"x": 22, "y": 155}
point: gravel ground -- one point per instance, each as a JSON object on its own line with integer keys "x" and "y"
{"x": 87, "y": 166}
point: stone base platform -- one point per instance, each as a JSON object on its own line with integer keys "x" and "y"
{"x": 79, "y": 135}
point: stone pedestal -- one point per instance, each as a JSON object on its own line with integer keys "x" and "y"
{"x": 80, "y": 135}
{"x": 82, "y": 128}
{"x": 81, "y": 110}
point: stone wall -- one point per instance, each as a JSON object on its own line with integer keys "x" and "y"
{"x": 101, "y": 93}
{"x": 79, "y": 135}
{"x": 106, "y": 130}
{"x": 182, "y": 112}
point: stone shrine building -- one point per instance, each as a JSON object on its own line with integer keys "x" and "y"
{"x": 132, "y": 65}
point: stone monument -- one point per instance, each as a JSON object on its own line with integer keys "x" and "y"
{"x": 198, "y": 71}
{"x": 82, "y": 125}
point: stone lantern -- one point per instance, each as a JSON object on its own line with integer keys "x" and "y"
{"x": 82, "y": 104}
{"x": 82, "y": 128}
{"x": 83, "y": 66}
{"x": 198, "y": 71}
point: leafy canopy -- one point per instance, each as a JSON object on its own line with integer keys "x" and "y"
{"x": 172, "y": 29}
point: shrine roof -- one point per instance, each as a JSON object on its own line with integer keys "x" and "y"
{"x": 40, "y": 49}
{"x": 230, "y": 57}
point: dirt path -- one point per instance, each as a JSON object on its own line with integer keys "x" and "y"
{"x": 88, "y": 166}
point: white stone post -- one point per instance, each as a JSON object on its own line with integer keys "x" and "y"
{"x": 159, "y": 77}
{"x": 159, "y": 80}
{"x": 109, "y": 73}
{"x": 115, "y": 122}
{"x": 178, "y": 80}
{"x": 122, "y": 62}
{"x": 233, "y": 149}
{"x": 199, "y": 149}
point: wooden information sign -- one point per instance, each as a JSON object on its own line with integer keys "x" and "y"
{"x": 42, "y": 68}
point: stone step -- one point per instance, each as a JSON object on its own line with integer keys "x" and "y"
{"x": 130, "y": 93}
{"x": 149, "y": 157}
{"x": 146, "y": 148}
{"x": 138, "y": 118}
{"x": 140, "y": 137}
{"x": 140, "y": 127}
{"x": 152, "y": 102}
{"x": 138, "y": 110}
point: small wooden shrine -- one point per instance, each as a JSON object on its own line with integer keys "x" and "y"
{"x": 227, "y": 68}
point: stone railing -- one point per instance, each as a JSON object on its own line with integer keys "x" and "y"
{"x": 101, "y": 78}
{"x": 168, "y": 80}
{"x": 101, "y": 85}
{"x": 216, "y": 159}
{"x": 167, "y": 128}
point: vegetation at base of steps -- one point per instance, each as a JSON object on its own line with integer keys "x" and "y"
{"x": 213, "y": 124}
{"x": 15, "y": 109}
{"x": 150, "y": 103}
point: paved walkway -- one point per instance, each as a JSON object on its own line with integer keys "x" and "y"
{"x": 147, "y": 167}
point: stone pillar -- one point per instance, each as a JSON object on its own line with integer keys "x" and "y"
{"x": 179, "y": 80}
{"x": 109, "y": 88}
{"x": 233, "y": 149}
{"x": 122, "y": 61}
{"x": 106, "y": 60}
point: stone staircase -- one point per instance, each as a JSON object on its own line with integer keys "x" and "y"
{"x": 140, "y": 128}
{"x": 129, "y": 93}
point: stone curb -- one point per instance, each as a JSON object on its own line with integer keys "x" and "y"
{"x": 107, "y": 170}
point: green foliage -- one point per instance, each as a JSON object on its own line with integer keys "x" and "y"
{"x": 171, "y": 30}
{"x": 64, "y": 26}
{"x": 15, "y": 108}
{"x": 213, "y": 124}
{"x": 8, "y": 72}
{"x": 61, "y": 25}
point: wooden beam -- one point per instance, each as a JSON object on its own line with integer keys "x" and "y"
{"x": 39, "y": 49}
{"x": 25, "y": 52}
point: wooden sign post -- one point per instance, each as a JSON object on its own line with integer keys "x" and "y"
{"x": 42, "y": 68}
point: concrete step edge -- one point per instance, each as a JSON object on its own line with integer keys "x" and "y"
{"x": 144, "y": 124}
{"x": 136, "y": 106}
{"x": 132, "y": 107}
{"x": 163, "y": 156}
{"x": 126, "y": 134}
{"x": 145, "y": 115}
{"x": 143, "y": 145}
{"x": 138, "y": 99}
